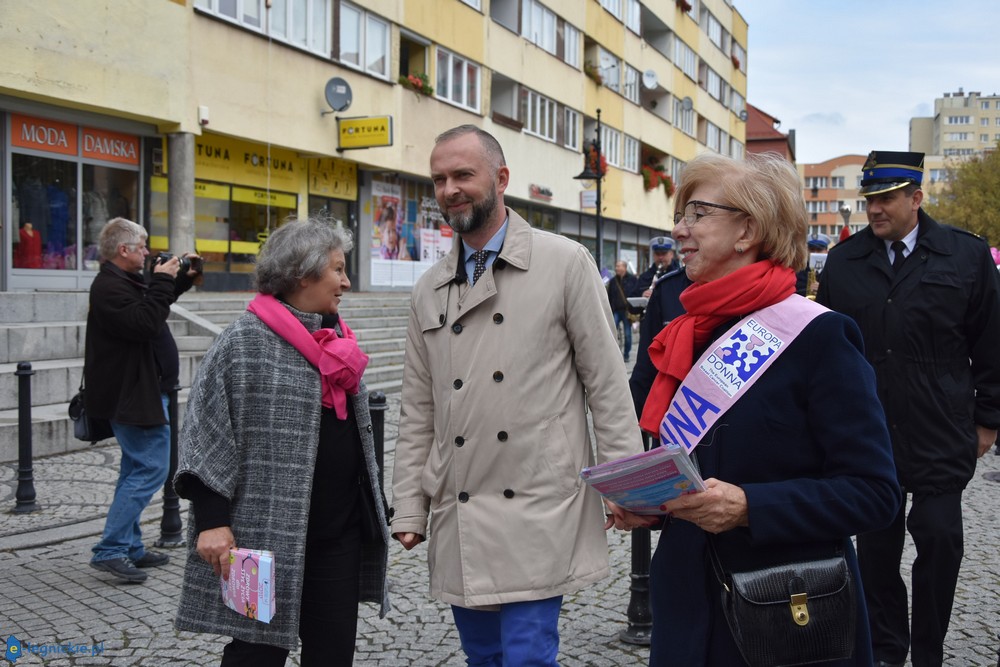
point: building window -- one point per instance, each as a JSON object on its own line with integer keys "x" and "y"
{"x": 539, "y": 115}
{"x": 301, "y": 23}
{"x": 683, "y": 119}
{"x": 860, "y": 205}
{"x": 685, "y": 58}
{"x": 984, "y": 105}
{"x": 631, "y": 87}
{"x": 712, "y": 137}
{"x": 538, "y": 25}
{"x": 985, "y": 122}
{"x": 958, "y": 120}
{"x": 736, "y": 101}
{"x": 630, "y": 157}
{"x": 364, "y": 41}
{"x": 611, "y": 145}
{"x": 958, "y": 136}
{"x": 457, "y": 80}
{"x": 735, "y": 149}
{"x": 613, "y": 6}
{"x": 712, "y": 82}
{"x": 984, "y": 138}
{"x": 837, "y": 182}
{"x": 610, "y": 69}
{"x": 740, "y": 54}
{"x": 572, "y": 129}
{"x": 712, "y": 27}
{"x": 571, "y": 45}
{"x": 475, "y": 4}
{"x": 997, "y": 120}
{"x": 816, "y": 207}
{"x": 633, "y": 16}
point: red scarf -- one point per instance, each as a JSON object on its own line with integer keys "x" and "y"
{"x": 339, "y": 360}
{"x": 707, "y": 306}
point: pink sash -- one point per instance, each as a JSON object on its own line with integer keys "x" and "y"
{"x": 727, "y": 369}
{"x": 339, "y": 360}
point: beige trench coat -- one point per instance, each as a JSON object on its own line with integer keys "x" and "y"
{"x": 493, "y": 428}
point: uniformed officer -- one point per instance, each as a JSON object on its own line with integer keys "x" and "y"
{"x": 927, "y": 299}
{"x": 664, "y": 261}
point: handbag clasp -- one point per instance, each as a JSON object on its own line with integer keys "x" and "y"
{"x": 800, "y": 610}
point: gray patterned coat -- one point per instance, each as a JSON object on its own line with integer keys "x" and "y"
{"x": 250, "y": 434}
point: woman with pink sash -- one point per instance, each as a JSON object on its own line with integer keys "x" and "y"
{"x": 799, "y": 459}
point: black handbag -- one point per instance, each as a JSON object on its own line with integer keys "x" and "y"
{"x": 85, "y": 427}
{"x": 791, "y": 614}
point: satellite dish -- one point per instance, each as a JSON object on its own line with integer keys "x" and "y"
{"x": 687, "y": 104}
{"x": 743, "y": 115}
{"x": 649, "y": 80}
{"x": 338, "y": 94}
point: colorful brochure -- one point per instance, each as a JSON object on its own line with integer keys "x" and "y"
{"x": 250, "y": 589}
{"x": 642, "y": 482}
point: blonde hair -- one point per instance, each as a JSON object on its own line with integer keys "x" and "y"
{"x": 767, "y": 187}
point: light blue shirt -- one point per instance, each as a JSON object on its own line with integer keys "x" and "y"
{"x": 492, "y": 249}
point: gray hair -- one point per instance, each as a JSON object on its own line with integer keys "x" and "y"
{"x": 491, "y": 147}
{"x": 116, "y": 233}
{"x": 298, "y": 250}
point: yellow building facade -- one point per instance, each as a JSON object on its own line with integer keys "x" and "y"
{"x": 210, "y": 122}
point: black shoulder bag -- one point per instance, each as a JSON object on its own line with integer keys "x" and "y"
{"x": 792, "y": 614}
{"x": 85, "y": 427}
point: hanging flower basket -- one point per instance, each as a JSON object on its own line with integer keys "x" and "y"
{"x": 684, "y": 5}
{"x": 593, "y": 73}
{"x": 592, "y": 162}
{"x": 736, "y": 61}
{"x": 419, "y": 83}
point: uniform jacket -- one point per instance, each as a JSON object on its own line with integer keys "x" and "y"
{"x": 125, "y": 316}
{"x": 663, "y": 306}
{"x": 931, "y": 332}
{"x": 809, "y": 447}
{"x": 250, "y": 434}
{"x": 493, "y": 426}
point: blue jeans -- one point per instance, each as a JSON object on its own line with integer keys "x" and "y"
{"x": 144, "y": 466}
{"x": 520, "y": 634}
{"x": 621, "y": 318}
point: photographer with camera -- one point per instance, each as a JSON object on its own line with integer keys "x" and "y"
{"x": 131, "y": 362}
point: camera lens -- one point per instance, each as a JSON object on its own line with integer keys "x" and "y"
{"x": 185, "y": 265}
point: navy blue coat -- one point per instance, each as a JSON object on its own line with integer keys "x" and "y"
{"x": 931, "y": 332}
{"x": 809, "y": 446}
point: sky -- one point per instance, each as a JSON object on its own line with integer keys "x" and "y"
{"x": 847, "y": 75}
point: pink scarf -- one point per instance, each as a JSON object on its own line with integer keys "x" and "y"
{"x": 339, "y": 360}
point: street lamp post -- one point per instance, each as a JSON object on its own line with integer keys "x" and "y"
{"x": 595, "y": 174}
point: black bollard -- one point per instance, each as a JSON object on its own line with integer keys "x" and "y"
{"x": 640, "y": 617}
{"x": 377, "y": 407}
{"x": 171, "y": 527}
{"x": 25, "y": 495}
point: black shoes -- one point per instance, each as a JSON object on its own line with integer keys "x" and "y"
{"x": 122, "y": 568}
{"x": 152, "y": 559}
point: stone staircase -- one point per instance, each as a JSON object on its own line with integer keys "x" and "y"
{"x": 47, "y": 329}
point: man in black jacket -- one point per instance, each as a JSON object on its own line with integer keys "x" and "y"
{"x": 927, "y": 299}
{"x": 130, "y": 357}
{"x": 620, "y": 287}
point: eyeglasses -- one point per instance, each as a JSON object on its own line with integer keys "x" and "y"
{"x": 136, "y": 247}
{"x": 692, "y": 216}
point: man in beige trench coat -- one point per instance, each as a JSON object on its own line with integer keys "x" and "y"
{"x": 510, "y": 338}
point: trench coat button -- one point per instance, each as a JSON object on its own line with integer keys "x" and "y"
{"x": 498, "y": 376}
{"x": 456, "y": 327}
{"x": 457, "y": 384}
{"x": 369, "y": 428}
{"x": 463, "y": 497}
{"x": 441, "y": 318}
{"x": 459, "y": 441}
{"x": 508, "y": 493}
{"x": 502, "y": 436}
{"x": 497, "y": 318}
{"x": 392, "y": 512}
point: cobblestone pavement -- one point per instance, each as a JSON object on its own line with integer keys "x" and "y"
{"x": 50, "y": 597}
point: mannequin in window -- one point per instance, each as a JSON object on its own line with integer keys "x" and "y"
{"x": 28, "y": 253}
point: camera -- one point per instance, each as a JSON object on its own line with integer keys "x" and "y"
{"x": 187, "y": 263}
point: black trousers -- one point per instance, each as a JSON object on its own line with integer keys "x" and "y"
{"x": 328, "y": 624}
{"x": 935, "y": 523}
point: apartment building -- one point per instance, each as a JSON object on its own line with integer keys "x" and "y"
{"x": 829, "y": 187}
{"x": 211, "y": 121}
{"x": 964, "y": 125}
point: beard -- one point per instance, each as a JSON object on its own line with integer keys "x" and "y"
{"x": 476, "y": 218}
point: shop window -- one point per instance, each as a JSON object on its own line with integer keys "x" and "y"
{"x": 107, "y": 193}
{"x": 43, "y": 212}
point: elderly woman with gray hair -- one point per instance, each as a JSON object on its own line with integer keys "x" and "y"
{"x": 276, "y": 453}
